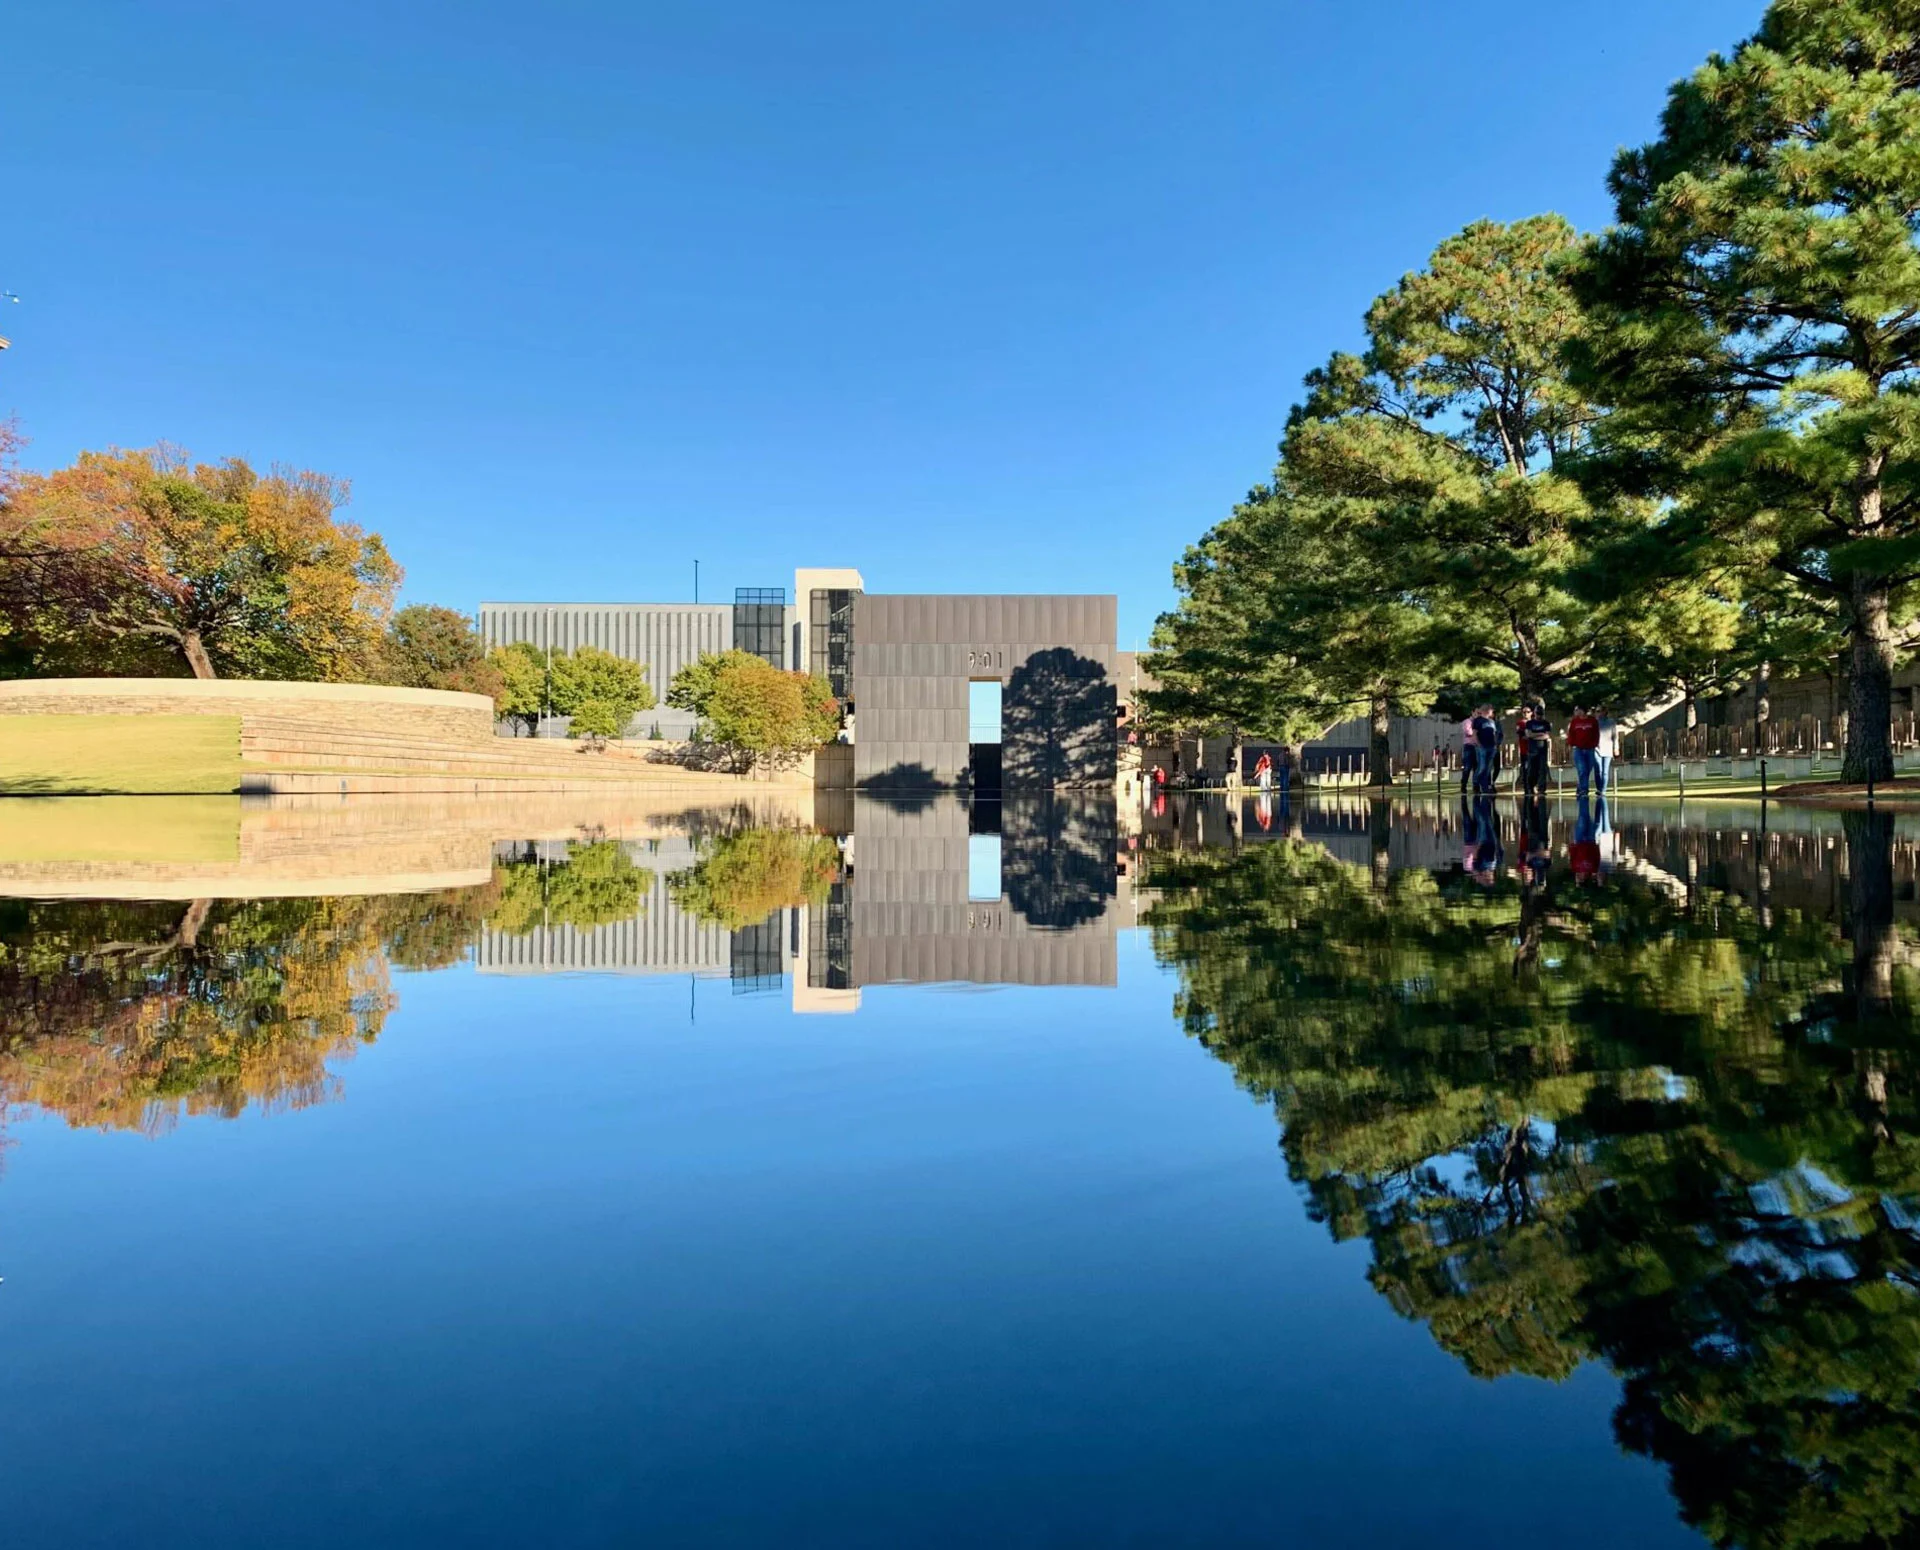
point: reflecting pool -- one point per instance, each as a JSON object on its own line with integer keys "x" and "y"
{"x": 1033, "y": 1173}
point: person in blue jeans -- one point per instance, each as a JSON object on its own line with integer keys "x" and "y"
{"x": 1583, "y": 739}
{"x": 1486, "y": 738}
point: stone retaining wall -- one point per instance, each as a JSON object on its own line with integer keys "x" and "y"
{"x": 431, "y": 714}
{"x": 313, "y": 846}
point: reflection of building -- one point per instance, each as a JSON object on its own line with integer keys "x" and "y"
{"x": 902, "y": 667}
{"x": 910, "y": 910}
{"x": 913, "y": 905}
{"x": 660, "y": 938}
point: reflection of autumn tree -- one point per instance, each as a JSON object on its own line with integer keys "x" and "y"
{"x": 133, "y": 1014}
{"x": 595, "y": 884}
{"x": 744, "y": 877}
{"x": 434, "y": 930}
{"x": 1606, "y": 1124}
{"x": 129, "y": 1015}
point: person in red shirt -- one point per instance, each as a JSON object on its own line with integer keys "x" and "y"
{"x": 1583, "y": 737}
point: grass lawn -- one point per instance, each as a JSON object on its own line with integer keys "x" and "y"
{"x": 186, "y": 829}
{"x": 119, "y": 755}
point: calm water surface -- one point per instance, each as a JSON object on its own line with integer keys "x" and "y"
{"x": 1036, "y": 1174}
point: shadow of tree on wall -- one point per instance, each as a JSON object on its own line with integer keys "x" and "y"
{"x": 1057, "y": 859}
{"x": 910, "y": 787}
{"x": 1056, "y": 722}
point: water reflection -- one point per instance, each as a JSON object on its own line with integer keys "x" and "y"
{"x": 130, "y": 1015}
{"x": 1590, "y": 1085}
{"x": 134, "y": 1013}
{"x": 1653, "y": 1106}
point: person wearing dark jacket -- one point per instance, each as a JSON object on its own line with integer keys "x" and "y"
{"x": 1486, "y": 742}
{"x": 1534, "y": 733}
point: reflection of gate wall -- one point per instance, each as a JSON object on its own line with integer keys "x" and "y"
{"x": 913, "y": 657}
{"x": 910, "y": 920}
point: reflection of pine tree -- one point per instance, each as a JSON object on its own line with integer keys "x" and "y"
{"x": 1661, "y": 1133}
{"x": 1057, "y": 858}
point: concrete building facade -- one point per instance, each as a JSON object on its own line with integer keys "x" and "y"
{"x": 664, "y": 637}
{"x": 915, "y": 655}
{"x": 901, "y": 664}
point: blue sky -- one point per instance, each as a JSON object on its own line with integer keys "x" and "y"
{"x": 983, "y": 297}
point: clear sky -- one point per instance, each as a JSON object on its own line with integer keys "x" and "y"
{"x": 981, "y": 297}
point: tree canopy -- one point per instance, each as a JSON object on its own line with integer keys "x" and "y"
{"x": 1756, "y": 319}
{"x": 428, "y": 647}
{"x": 1657, "y": 463}
{"x": 588, "y": 676}
{"x": 753, "y": 710}
{"x": 148, "y": 562}
{"x": 692, "y": 687}
{"x": 1423, "y": 533}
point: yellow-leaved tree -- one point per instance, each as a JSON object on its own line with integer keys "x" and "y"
{"x": 146, "y": 562}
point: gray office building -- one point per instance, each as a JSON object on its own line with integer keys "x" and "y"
{"x": 903, "y": 666}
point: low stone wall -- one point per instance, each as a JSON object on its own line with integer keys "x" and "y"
{"x": 234, "y": 847}
{"x": 430, "y": 714}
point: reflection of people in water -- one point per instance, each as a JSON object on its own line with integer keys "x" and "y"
{"x": 1539, "y": 841}
{"x": 1584, "y": 851}
{"x": 1263, "y": 810}
{"x": 1486, "y": 854}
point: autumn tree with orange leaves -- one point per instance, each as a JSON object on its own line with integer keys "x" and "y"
{"x": 146, "y": 562}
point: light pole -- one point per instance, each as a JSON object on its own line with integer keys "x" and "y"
{"x": 547, "y": 714}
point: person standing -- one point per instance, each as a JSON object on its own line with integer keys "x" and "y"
{"x": 1486, "y": 750}
{"x": 1535, "y": 736}
{"x": 1583, "y": 738}
{"x": 1468, "y": 751}
{"x": 1603, "y": 748}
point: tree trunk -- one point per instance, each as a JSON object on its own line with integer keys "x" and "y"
{"x": 1869, "y": 736}
{"x": 187, "y": 933}
{"x": 1762, "y": 705}
{"x": 1379, "y": 746}
{"x": 1870, "y": 915}
{"x": 195, "y": 651}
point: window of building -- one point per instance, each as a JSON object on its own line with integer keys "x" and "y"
{"x": 760, "y": 622}
{"x": 830, "y": 652}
